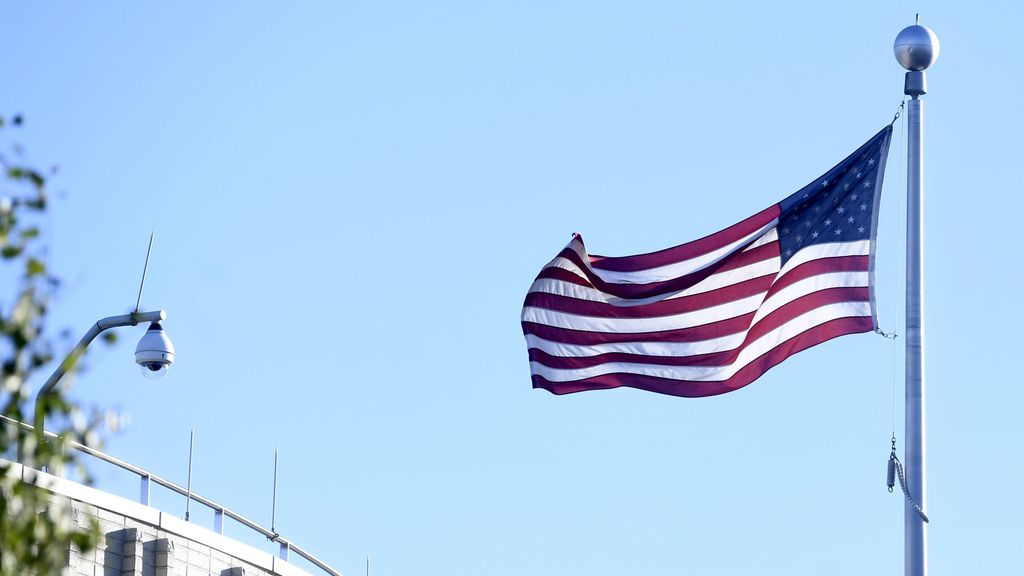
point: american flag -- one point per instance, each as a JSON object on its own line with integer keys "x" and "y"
{"x": 713, "y": 315}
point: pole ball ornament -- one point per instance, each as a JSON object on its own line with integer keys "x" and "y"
{"x": 916, "y": 47}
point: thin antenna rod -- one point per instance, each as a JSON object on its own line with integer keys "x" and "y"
{"x": 144, "y": 270}
{"x": 188, "y": 496}
{"x": 367, "y": 566}
{"x": 273, "y": 506}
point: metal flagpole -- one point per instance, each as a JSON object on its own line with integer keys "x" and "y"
{"x": 916, "y": 49}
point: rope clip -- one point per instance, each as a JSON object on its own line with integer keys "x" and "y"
{"x": 899, "y": 111}
{"x": 896, "y": 468}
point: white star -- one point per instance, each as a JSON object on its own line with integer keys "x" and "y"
{"x": 859, "y": 174}
{"x": 838, "y": 231}
{"x": 861, "y": 229}
{"x": 817, "y": 208}
{"x": 789, "y": 252}
{"x": 863, "y": 206}
{"x": 867, "y": 183}
{"x": 828, "y": 222}
{"x": 807, "y": 224}
{"x": 785, "y": 230}
{"x": 814, "y": 234}
{"x": 846, "y": 186}
{"x": 840, "y": 209}
{"x": 853, "y": 196}
{"x": 805, "y": 196}
{"x": 850, "y": 219}
{"x": 799, "y": 238}
{"x": 871, "y": 161}
{"x": 824, "y": 183}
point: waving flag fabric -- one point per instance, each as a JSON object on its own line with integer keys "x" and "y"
{"x": 713, "y": 315}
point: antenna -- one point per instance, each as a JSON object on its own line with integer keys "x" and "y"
{"x": 188, "y": 496}
{"x": 273, "y": 505}
{"x": 367, "y": 566}
{"x": 144, "y": 270}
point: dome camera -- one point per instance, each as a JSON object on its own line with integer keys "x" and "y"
{"x": 155, "y": 353}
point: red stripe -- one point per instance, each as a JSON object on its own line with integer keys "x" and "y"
{"x": 555, "y": 273}
{"x": 820, "y": 266}
{"x": 692, "y": 389}
{"x": 668, "y": 307}
{"x": 673, "y": 306}
{"x": 694, "y": 334}
{"x": 770, "y": 322}
{"x": 688, "y": 250}
{"x": 736, "y": 260}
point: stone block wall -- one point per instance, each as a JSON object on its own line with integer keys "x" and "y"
{"x": 132, "y": 548}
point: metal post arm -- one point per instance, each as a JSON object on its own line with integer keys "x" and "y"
{"x": 72, "y": 358}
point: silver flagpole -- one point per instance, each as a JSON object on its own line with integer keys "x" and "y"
{"x": 916, "y": 49}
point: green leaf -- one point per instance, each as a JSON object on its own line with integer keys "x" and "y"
{"x": 11, "y": 251}
{"x": 34, "y": 268}
{"x": 109, "y": 337}
{"x": 36, "y": 178}
{"x": 40, "y": 359}
{"x": 28, "y": 233}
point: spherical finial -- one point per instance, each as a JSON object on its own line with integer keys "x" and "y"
{"x": 916, "y": 47}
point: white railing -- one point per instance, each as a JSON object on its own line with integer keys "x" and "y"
{"x": 147, "y": 479}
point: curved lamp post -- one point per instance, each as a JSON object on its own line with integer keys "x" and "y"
{"x": 154, "y": 354}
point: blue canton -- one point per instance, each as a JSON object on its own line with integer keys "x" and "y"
{"x": 840, "y": 206}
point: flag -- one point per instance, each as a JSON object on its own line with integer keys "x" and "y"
{"x": 713, "y": 315}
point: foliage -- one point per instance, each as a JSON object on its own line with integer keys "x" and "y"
{"x": 36, "y": 532}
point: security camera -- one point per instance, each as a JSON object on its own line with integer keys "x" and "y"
{"x": 155, "y": 353}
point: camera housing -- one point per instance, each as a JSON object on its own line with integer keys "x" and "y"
{"x": 155, "y": 353}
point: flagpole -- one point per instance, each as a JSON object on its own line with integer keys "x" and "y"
{"x": 916, "y": 48}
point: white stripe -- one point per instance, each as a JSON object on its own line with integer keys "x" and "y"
{"x": 629, "y": 325}
{"x": 770, "y": 236}
{"x": 676, "y": 269}
{"x": 700, "y": 317}
{"x": 730, "y": 277}
{"x": 750, "y": 353}
{"x": 713, "y": 282}
{"x": 829, "y": 250}
{"x": 643, "y": 348}
{"x": 810, "y": 286}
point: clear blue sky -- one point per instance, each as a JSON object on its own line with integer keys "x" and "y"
{"x": 351, "y": 200}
